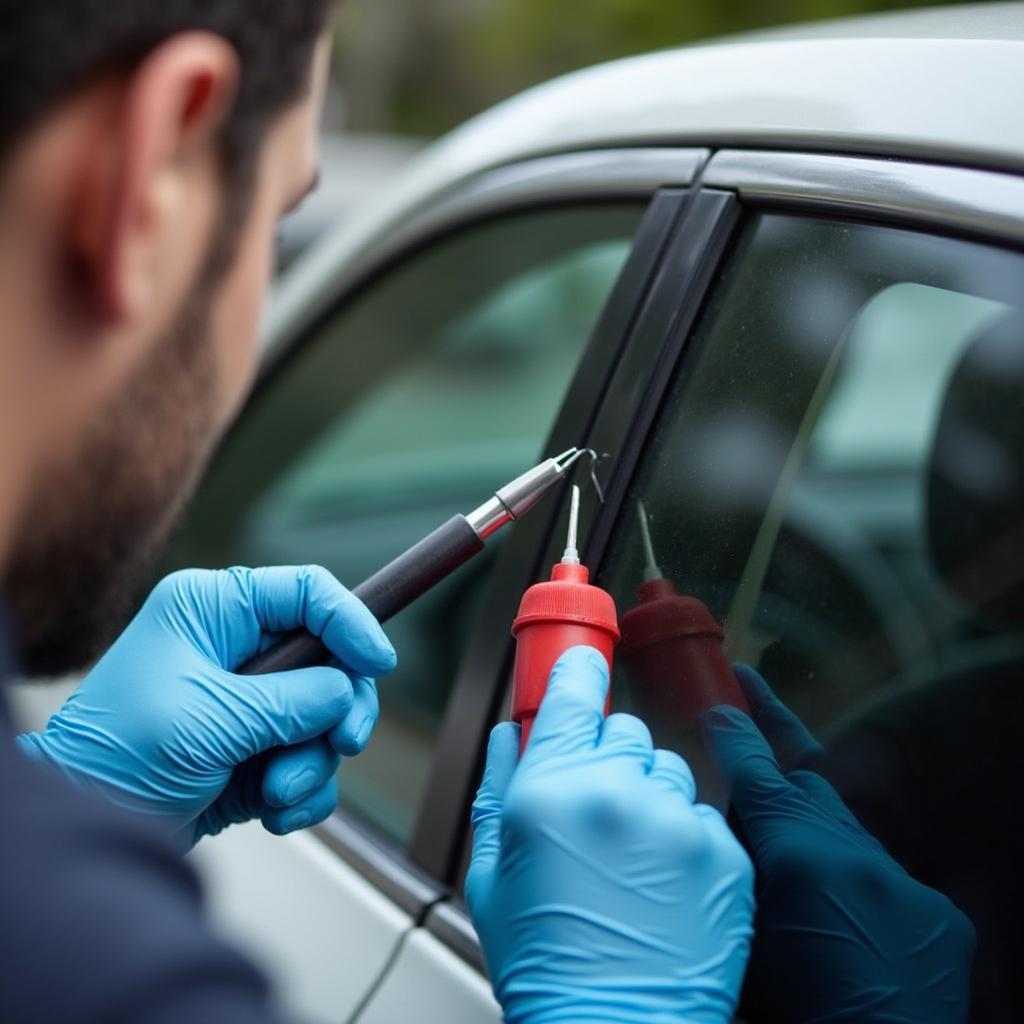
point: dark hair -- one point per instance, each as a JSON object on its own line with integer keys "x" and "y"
{"x": 49, "y": 48}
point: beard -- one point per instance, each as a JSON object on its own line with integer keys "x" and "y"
{"x": 102, "y": 512}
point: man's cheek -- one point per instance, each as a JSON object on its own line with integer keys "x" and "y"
{"x": 237, "y": 324}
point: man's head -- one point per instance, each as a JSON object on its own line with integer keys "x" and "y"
{"x": 148, "y": 149}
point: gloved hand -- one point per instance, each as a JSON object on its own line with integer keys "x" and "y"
{"x": 842, "y": 932}
{"x": 599, "y": 890}
{"x": 164, "y": 727}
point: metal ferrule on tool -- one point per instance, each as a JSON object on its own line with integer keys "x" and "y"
{"x": 514, "y": 500}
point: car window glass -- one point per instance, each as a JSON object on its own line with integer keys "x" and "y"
{"x": 455, "y": 409}
{"x": 838, "y": 476}
{"x": 435, "y": 386}
{"x": 907, "y": 333}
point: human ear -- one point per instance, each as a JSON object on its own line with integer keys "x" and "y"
{"x": 137, "y": 191}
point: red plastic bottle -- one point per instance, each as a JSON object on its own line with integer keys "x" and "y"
{"x": 564, "y": 612}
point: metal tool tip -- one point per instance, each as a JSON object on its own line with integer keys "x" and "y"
{"x": 568, "y": 459}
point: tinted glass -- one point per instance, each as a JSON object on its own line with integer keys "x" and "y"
{"x": 838, "y": 476}
{"x": 434, "y": 387}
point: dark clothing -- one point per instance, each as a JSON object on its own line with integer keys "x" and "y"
{"x": 100, "y": 920}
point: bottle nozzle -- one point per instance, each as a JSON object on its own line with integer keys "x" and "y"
{"x": 572, "y": 553}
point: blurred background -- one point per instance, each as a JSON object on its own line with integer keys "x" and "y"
{"x": 407, "y": 71}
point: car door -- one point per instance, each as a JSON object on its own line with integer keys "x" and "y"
{"x": 831, "y": 462}
{"x": 436, "y": 374}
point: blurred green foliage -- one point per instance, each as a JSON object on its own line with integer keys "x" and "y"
{"x": 423, "y": 66}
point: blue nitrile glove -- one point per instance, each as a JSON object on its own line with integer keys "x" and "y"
{"x": 600, "y": 891}
{"x": 842, "y": 932}
{"x": 164, "y": 727}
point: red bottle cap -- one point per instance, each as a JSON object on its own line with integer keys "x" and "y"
{"x": 564, "y": 612}
{"x": 568, "y": 598}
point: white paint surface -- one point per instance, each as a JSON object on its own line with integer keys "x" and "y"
{"x": 320, "y": 931}
{"x": 430, "y": 985}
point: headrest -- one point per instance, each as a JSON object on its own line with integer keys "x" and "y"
{"x": 976, "y": 478}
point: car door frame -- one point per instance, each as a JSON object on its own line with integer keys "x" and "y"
{"x": 976, "y": 204}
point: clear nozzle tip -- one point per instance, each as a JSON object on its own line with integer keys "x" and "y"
{"x": 572, "y": 553}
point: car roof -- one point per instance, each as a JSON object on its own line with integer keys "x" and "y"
{"x": 942, "y": 84}
{"x": 968, "y": 21}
